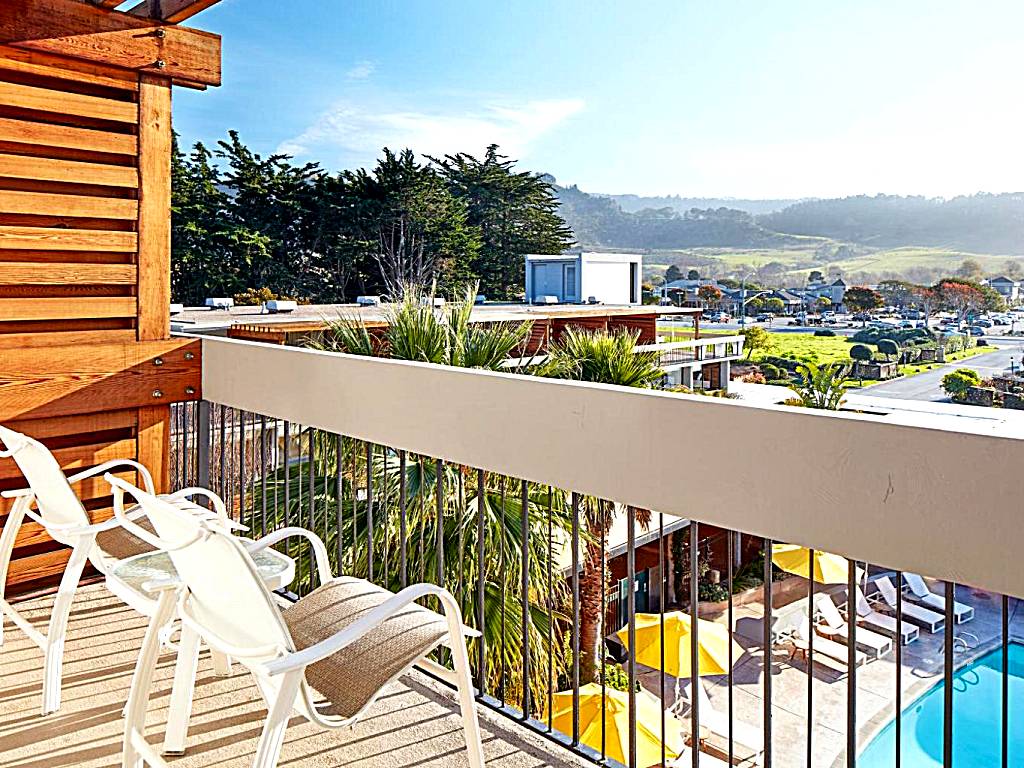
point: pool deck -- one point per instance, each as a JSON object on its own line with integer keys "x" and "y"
{"x": 922, "y": 663}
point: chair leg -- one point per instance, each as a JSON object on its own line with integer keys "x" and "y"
{"x": 272, "y": 739}
{"x": 7, "y": 538}
{"x": 467, "y": 704}
{"x": 142, "y": 680}
{"x": 57, "y": 629}
{"x": 180, "y": 708}
{"x": 221, "y": 663}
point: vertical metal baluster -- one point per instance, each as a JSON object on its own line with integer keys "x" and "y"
{"x": 851, "y": 672}
{"x": 631, "y": 632}
{"x": 694, "y": 647}
{"x": 524, "y": 568}
{"x": 481, "y": 506}
{"x": 604, "y": 616}
{"x": 312, "y": 498}
{"x": 422, "y": 553}
{"x": 899, "y": 664}
{"x": 203, "y": 437}
{"x": 403, "y": 532}
{"x": 947, "y": 699}
{"x": 439, "y": 505}
{"x": 504, "y": 581}
{"x": 223, "y": 478}
{"x": 1005, "y": 736}
{"x": 731, "y": 555}
{"x": 354, "y": 487}
{"x": 370, "y": 544}
{"x": 661, "y": 630}
{"x": 285, "y": 456}
{"x": 575, "y": 547}
{"x": 461, "y": 537}
{"x": 241, "y": 466}
{"x": 384, "y": 521}
{"x": 299, "y": 486}
{"x": 551, "y": 618}
{"x": 339, "y": 499}
{"x": 767, "y": 639}
{"x": 810, "y": 658}
{"x": 263, "y": 475}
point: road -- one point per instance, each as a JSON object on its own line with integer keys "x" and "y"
{"x": 928, "y": 385}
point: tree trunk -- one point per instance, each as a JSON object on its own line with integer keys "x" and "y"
{"x": 593, "y": 583}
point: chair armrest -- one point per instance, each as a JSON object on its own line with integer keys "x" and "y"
{"x": 105, "y": 467}
{"x": 323, "y": 562}
{"x": 120, "y": 487}
{"x": 340, "y": 640}
{"x": 13, "y": 494}
{"x": 218, "y": 504}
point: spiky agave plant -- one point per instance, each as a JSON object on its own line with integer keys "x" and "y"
{"x": 822, "y": 386}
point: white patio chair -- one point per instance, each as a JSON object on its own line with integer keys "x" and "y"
{"x": 924, "y": 617}
{"x": 325, "y": 657}
{"x": 920, "y": 593}
{"x": 834, "y": 625}
{"x": 823, "y": 647}
{"x": 883, "y": 622}
{"x": 748, "y": 736}
{"x": 60, "y": 512}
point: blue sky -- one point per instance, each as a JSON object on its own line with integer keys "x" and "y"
{"x": 741, "y": 98}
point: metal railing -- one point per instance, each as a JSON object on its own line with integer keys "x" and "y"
{"x": 531, "y": 564}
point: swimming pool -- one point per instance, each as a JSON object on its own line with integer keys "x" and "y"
{"x": 977, "y": 719}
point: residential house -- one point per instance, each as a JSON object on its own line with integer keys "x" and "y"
{"x": 584, "y": 278}
{"x": 1009, "y": 289}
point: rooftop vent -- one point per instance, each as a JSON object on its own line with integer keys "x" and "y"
{"x": 368, "y": 301}
{"x": 220, "y": 303}
{"x": 177, "y": 309}
{"x": 280, "y": 305}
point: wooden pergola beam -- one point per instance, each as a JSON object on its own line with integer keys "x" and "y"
{"x": 171, "y": 11}
{"x": 86, "y": 31}
{"x": 107, "y": 3}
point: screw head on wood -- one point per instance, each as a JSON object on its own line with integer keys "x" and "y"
{"x": 190, "y": 355}
{"x": 158, "y": 361}
{"x": 160, "y": 64}
{"x": 190, "y": 390}
{"x": 158, "y": 393}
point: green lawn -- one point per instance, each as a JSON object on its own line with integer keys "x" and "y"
{"x": 806, "y": 347}
{"x": 910, "y": 370}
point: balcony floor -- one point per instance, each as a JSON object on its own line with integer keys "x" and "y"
{"x": 415, "y": 723}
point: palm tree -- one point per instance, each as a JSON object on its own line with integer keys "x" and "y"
{"x": 603, "y": 358}
{"x": 329, "y": 490}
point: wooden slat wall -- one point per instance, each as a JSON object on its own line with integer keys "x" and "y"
{"x": 85, "y": 361}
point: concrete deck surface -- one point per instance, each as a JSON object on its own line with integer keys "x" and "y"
{"x": 415, "y": 723}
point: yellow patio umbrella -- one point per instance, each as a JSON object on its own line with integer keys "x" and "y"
{"x": 828, "y": 568}
{"x": 712, "y": 644}
{"x": 616, "y": 724}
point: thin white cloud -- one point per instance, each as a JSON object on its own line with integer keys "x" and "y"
{"x": 350, "y": 133}
{"x": 361, "y": 70}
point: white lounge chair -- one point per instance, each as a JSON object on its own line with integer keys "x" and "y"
{"x": 834, "y": 625}
{"x": 925, "y": 617}
{"x": 704, "y": 760}
{"x": 920, "y": 593}
{"x": 748, "y": 736}
{"x": 883, "y": 622}
{"x": 823, "y": 646}
{"x": 325, "y": 657}
{"x": 60, "y": 512}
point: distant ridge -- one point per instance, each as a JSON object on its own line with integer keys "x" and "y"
{"x": 634, "y": 203}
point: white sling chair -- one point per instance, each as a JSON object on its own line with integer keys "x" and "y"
{"x": 60, "y": 512}
{"x": 325, "y": 657}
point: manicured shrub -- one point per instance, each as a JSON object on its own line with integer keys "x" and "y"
{"x": 780, "y": 382}
{"x": 889, "y": 347}
{"x": 861, "y": 352}
{"x": 824, "y": 332}
{"x": 957, "y": 383}
{"x": 770, "y": 371}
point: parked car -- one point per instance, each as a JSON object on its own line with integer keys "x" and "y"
{"x": 976, "y": 330}
{"x": 983, "y": 322}
{"x": 862, "y": 316}
{"x": 718, "y": 317}
{"x": 765, "y": 317}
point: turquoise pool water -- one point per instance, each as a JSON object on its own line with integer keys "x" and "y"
{"x": 977, "y": 720}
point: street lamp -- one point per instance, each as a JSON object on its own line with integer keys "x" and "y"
{"x": 743, "y": 300}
